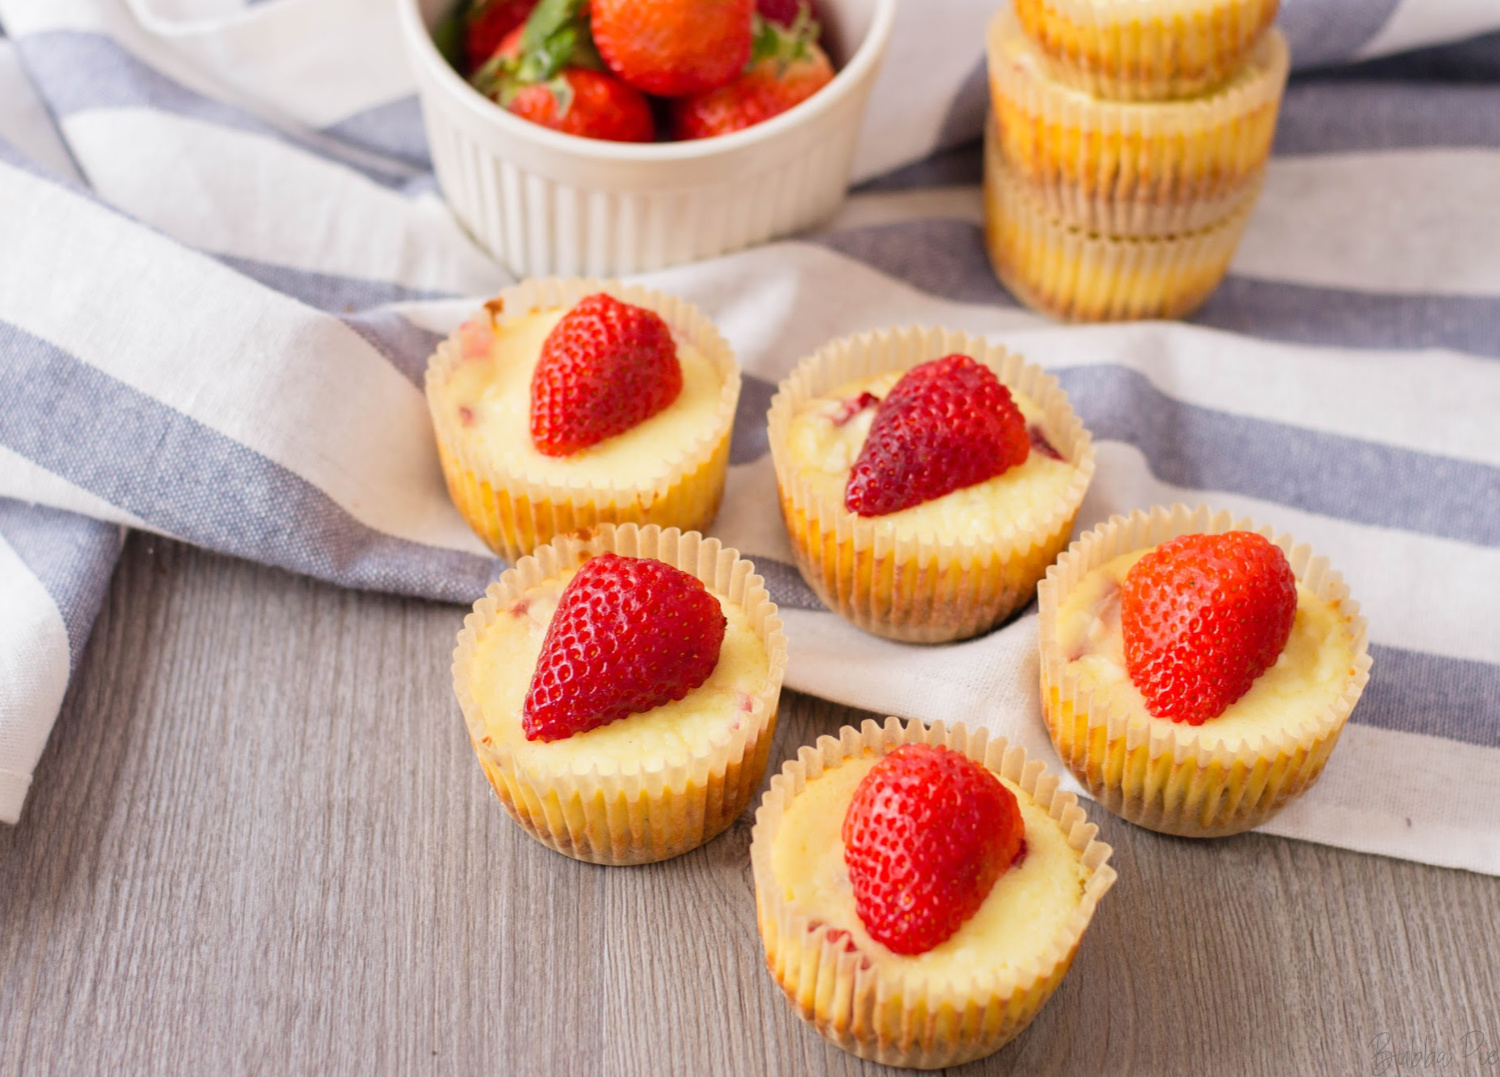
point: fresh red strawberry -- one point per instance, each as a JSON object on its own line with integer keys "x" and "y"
{"x": 547, "y": 71}
{"x": 486, "y": 23}
{"x": 629, "y": 634}
{"x": 674, "y": 47}
{"x": 785, "y": 69}
{"x": 590, "y": 104}
{"x": 1202, "y": 617}
{"x": 606, "y": 366}
{"x": 946, "y": 424}
{"x": 785, "y": 12}
{"x": 927, "y": 833}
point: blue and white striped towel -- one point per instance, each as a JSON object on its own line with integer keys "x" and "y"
{"x": 223, "y": 262}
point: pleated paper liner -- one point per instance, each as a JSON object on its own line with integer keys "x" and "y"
{"x": 1132, "y": 169}
{"x": 1145, "y": 50}
{"x": 1074, "y": 275}
{"x": 514, "y": 513}
{"x": 1173, "y": 777}
{"x": 897, "y": 1015}
{"x": 635, "y": 812}
{"x": 925, "y": 589}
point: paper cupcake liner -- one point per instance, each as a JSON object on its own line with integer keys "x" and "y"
{"x": 1080, "y": 276}
{"x": 1132, "y": 169}
{"x": 920, "y": 590}
{"x": 639, "y": 812}
{"x": 900, "y": 1016}
{"x": 1140, "y": 50}
{"x": 514, "y": 514}
{"x": 1171, "y": 777}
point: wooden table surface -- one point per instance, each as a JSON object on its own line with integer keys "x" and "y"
{"x": 259, "y": 843}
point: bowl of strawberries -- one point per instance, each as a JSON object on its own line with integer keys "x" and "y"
{"x": 603, "y": 137}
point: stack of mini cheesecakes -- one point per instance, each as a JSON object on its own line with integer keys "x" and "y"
{"x": 1126, "y": 150}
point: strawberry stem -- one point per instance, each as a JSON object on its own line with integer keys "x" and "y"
{"x": 556, "y": 37}
{"x": 784, "y": 44}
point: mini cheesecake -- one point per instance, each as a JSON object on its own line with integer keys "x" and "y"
{"x": 1147, "y": 49}
{"x": 667, "y": 470}
{"x": 644, "y": 787}
{"x": 973, "y": 992}
{"x": 1234, "y": 771}
{"x": 947, "y": 568}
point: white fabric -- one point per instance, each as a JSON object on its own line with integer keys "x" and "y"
{"x": 221, "y": 339}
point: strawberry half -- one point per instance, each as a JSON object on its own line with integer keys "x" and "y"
{"x": 927, "y": 833}
{"x": 674, "y": 47}
{"x": 946, "y": 424}
{"x": 606, "y": 367}
{"x": 629, "y": 634}
{"x": 548, "y": 72}
{"x": 1202, "y": 617}
{"x": 786, "y": 68}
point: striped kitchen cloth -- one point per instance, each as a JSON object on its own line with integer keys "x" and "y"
{"x": 224, "y": 261}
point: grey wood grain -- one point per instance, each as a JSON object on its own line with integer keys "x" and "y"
{"x": 259, "y": 843}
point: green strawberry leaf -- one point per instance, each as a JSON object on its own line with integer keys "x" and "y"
{"x": 556, "y": 37}
{"x": 785, "y": 44}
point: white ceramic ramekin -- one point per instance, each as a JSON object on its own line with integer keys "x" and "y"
{"x": 547, "y": 203}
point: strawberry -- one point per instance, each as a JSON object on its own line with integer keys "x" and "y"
{"x": 1202, "y": 617}
{"x": 486, "y": 23}
{"x": 946, "y": 424}
{"x": 606, "y": 367}
{"x": 927, "y": 833}
{"x": 785, "y": 69}
{"x": 629, "y": 634}
{"x": 548, "y": 72}
{"x": 674, "y": 47}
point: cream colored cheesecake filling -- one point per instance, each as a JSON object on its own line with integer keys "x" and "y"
{"x": 1304, "y": 682}
{"x": 489, "y": 394}
{"x": 506, "y": 656}
{"x": 1028, "y": 907}
{"x": 824, "y": 448}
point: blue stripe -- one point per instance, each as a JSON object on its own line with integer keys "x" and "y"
{"x": 72, "y": 557}
{"x": 1305, "y": 314}
{"x": 394, "y": 129}
{"x": 946, "y": 257}
{"x": 406, "y": 346}
{"x": 1475, "y": 59}
{"x": 191, "y": 481}
{"x": 787, "y": 587}
{"x": 74, "y": 71}
{"x": 1412, "y": 692}
{"x": 941, "y": 256}
{"x": 750, "y": 442}
{"x": 328, "y": 291}
{"x": 1362, "y": 481}
{"x": 1347, "y": 117}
